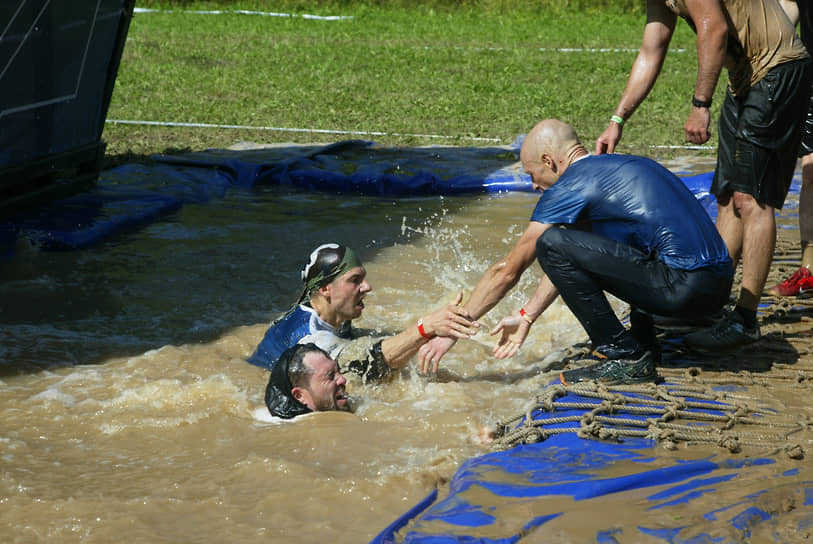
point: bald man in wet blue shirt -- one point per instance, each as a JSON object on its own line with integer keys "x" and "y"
{"x": 617, "y": 223}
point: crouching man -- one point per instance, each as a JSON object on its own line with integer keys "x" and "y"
{"x": 618, "y": 224}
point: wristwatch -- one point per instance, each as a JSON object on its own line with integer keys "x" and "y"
{"x": 697, "y": 103}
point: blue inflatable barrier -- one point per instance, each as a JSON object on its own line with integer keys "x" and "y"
{"x": 679, "y": 500}
{"x": 133, "y": 195}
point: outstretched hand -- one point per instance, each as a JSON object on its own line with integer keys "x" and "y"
{"x": 513, "y": 331}
{"x": 430, "y": 354}
{"x": 452, "y": 320}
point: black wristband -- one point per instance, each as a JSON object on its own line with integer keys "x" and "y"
{"x": 697, "y": 103}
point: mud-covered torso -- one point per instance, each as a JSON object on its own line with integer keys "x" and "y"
{"x": 760, "y": 37}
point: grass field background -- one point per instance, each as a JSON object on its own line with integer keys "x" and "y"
{"x": 464, "y": 73}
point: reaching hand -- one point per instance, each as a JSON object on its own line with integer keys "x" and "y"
{"x": 430, "y": 354}
{"x": 452, "y": 320}
{"x": 609, "y": 139}
{"x": 514, "y": 329}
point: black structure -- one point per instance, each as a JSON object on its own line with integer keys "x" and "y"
{"x": 58, "y": 66}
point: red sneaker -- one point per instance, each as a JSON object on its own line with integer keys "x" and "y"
{"x": 792, "y": 286}
{"x": 806, "y": 286}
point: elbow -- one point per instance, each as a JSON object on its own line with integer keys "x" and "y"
{"x": 712, "y": 33}
{"x": 505, "y": 276}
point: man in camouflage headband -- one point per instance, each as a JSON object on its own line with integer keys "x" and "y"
{"x": 333, "y": 294}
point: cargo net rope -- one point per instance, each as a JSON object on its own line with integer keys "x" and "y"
{"x": 703, "y": 398}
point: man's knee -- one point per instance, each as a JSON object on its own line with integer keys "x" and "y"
{"x": 807, "y": 170}
{"x": 747, "y": 206}
{"x": 550, "y": 241}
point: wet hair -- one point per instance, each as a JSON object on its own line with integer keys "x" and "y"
{"x": 298, "y": 372}
{"x": 289, "y": 371}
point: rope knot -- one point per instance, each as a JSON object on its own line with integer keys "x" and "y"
{"x": 730, "y": 443}
{"x": 795, "y": 451}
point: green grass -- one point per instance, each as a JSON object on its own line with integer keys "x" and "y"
{"x": 460, "y": 71}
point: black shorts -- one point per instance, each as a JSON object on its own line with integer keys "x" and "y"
{"x": 760, "y": 135}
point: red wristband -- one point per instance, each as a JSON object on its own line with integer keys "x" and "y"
{"x": 421, "y": 331}
{"x": 524, "y": 316}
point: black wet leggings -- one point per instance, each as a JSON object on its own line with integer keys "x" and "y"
{"x": 583, "y": 265}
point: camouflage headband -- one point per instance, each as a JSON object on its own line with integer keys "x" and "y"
{"x": 326, "y": 263}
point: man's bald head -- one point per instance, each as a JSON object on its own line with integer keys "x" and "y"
{"x": 549, "y": 136}
{"x": 549, "y": 148}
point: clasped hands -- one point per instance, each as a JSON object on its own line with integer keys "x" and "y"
{"x": 512, "y": 330}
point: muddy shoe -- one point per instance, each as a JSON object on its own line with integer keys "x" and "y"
{"x": 615, "y": 371}
{"x": 729, "y": 333}
{"x": 613, "y": 351}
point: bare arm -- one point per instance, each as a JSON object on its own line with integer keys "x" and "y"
{"x": 660, "y": 25}
{"x": 791, "y": 9}
{"x": 712, "y": 37}
{"x": 448, "y": 321}
{"x": 515, "y": 328}
{"x": 492, "y": 287}
{"x": 503, "y": 275}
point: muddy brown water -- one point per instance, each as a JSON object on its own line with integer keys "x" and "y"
{"x": 129, "y": 413}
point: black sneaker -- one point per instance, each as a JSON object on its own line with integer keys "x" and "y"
{"x": 614, "y": 371}
{"x": 613, "y": 351}
{"x": 728, "y": 333}
{"x": 642, "y": 328}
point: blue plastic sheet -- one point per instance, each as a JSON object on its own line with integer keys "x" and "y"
{"x": 680, "y": 500}
{"x": 133, "y": 195}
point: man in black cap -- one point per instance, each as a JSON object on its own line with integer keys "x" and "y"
{"x": 333, "y": 294}
{"x": 305, "y": 379}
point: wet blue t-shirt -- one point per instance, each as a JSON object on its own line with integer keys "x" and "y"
{"x": 636, "y": 201}
{"x": 286, "y": 333}
{"x": 356, "y": 350}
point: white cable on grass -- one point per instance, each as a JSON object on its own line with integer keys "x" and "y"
{"x": 597, "y": 50}
{"x": 692, "y": 147}
{"x": 352, "y": 132}
{"x": 305, "y": 130}
{"x": 247, "y": 12}
{"x": 347, "y": 17}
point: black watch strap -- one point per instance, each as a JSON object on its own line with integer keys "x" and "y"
{"x": 697, "y": 103}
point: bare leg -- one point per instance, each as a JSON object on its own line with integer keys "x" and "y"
{"x": 806, "y": 211}
{"x": 730, "y": 227}
{"x": 758, "y": 244}
{"x": 748, "y": 229}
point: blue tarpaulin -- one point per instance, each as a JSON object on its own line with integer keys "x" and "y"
{"x": 685, "y": 499}
{"x": 135, "y": 194}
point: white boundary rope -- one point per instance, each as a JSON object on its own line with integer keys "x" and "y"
{"x": 247, "y": 12}
{"x": 304, "y": 130}
{"x": 597, "y": 50}
{"x": 692, "y": 147}
{"x": 352, "y": 132}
